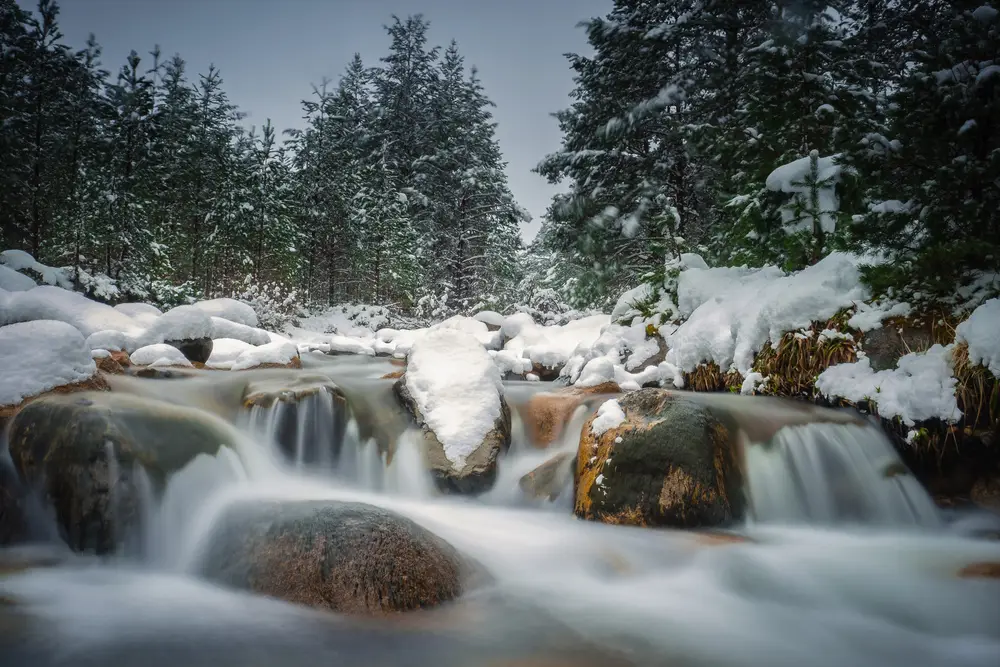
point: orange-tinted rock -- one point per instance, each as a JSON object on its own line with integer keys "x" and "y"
{"x": 980, "y": 571}
{"x": 545, "y": 415}
{"x": 109, "y": 365}
{"x": 395, "y": 375}
{"x": 96, "y": 383}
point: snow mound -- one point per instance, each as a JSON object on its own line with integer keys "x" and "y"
{"x": 920, "y": 387}
{"x": 610, "y": 415}
{"x": 18, "y": 260}
{"x": 183, "y": 323}
{"x": 280, "y": 353}
{"x": 55, "y": 303}
{"x": 159, "y": 354}
{"x": 225, "y": 352}
{"x": 345, "y": 345}
{"x": 223, "y": 328}
{"x": 12, "y": 281}
{"x": 488, "y": 339}
{"x": 144, "y": 314}
{"x": 552, "y": 346}
{"x": 734, "y": 312}
{"x": 229, "y": 309}
{"x": 981, "y": 332}
{"x": 39, "y": 356}
{"x": 110, "y": 340}
{"x": 489, "y": 317}
{"x": 353, "y": 320}
{"x": 508, "y": 362}
{"x": 597, "y": 371}
{"x": 457, "y": 390}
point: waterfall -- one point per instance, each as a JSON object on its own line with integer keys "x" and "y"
{"x": 308, "y": 430}
{"x": 825, "y": 473}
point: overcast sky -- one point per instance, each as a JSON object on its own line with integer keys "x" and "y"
{"x": 270, "y": 51}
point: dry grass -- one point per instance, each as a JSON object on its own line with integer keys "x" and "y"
{"x": 798, "y": 359}
{"x": 709, "y": 377}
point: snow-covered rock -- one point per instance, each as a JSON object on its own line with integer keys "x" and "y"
{"x": 225, "y": 352}
{"x": 145, "y": 314}
{"x": 273, "y": 354}
{"x": 455, "y": 391}
{"x": 921, "y": 386}
{"x": 551, "y": 346}
{"x": 488, "y": 339}
{"x": 19, "y": 260}
{"x": 159, "y": 354}
{"x": 346, "y": 345}
{"x": 41, "y": 355}
{"x": 981, "y": 332}
{"x": 110, "y": 340}
{"x": 229, "y": 309}
{"x": 610, "y": 415}
{"x": 184, "y": 323}
{"x": 223, "y": 328}
{"x": 490, "y": 318}
{"x": 12, "y": 281}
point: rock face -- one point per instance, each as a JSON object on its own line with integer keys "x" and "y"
{"x": 479, "y": 471}
{"x": 347, "y": 557}
{"x": 887, "y": 344}
{"x": 84, "y": 453}
{"x": 670, "y": 463}
{"x": 547, "y": 413}
{"x": 549, "y": 479}
{"x": 197, "y": 350}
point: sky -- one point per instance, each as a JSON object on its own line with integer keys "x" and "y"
{"x": 270, "y": 52}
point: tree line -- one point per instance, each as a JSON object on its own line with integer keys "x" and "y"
{"x": 393, "y": 192}
{"x": 887, "y": 111}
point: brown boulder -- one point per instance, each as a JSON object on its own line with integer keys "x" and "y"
{"x": 549, "y": 479}
{"x": 670, "y": 463}
{"x": 347, "y": 557}
{"x": 546, "y": 414}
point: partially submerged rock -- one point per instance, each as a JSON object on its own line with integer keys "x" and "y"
{"x": 83, "y": 453}
{"x": 551, "y": 478}
{"x": 669, "y": 463}
{"x": 454, "y": 392}
{"x": 350, "y": 558}
{"x": 546, "y": 414}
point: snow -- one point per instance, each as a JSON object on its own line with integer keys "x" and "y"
{"x": 229, "y": 309}
{"x": 987, "y": 73}
{"x": 18, "y": 260}
{"x": 870, "y": 316}
{"x": 610, "y": 415}
{"x": 489, "y": 317}
{"x": 12, "y": 281}
{"x": 223, "y": 328}
{"x": 920, "y": 387}
{"x": 457, "y": 390}
{"x": 597, "y": 371}
{"x": 508, "y": 362}
{"x": 488, "y": 339}
{"x": 734, "y": 312}
{"x": 981, "y": 332}
{"x": 354, "y": 320}
{"x": 642, "y": 351}
{"x": 159, "y": 354}
{"x": 280, "y": 353}
{"x": 184, "y": 323}
{"x": 225, "y": 352}
{"x": 55, "y": 303}
{"x": 752, "y": 383}
{"x": 624, "y": 309}
{"x": 143, "y": 313}
{"x": 985, "y": 14}
{"x": 39, "y": 356}
{"x": 109, "y": 339}
{"x": 99, "y": 354}
{"x": 552, "y": 346}
{"x": 790, "y": 178}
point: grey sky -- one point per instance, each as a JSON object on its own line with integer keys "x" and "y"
{"x": 270, "y": 51}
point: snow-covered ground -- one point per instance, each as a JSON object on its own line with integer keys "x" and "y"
{"x": 721, "y": 315}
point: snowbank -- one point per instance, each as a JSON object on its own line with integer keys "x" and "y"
{"x": 457, "y": 389}
{"x": 229, "y": 309}
{"x": 183, "y": 323}
{"x": 552, "y": 346}
{"x": 981, "y": 332}
{"x": 39, "y": 356}
{"x": 920, "y": 387}
{"x": 159, "y": 354}
{"x": 610, "y": 415}
{"x": 352, "y": 320}
{"x": 18, "y": 260}
{"x": 734, "y": 312}
{"x": 12, "y": 281}
{"x": 279, "y": 353}
{"x": 223, "y": 328}
{"x": 55, "y": 303}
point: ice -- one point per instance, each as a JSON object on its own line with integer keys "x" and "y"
{"x": 610, "y": 415}
{"x": 920, "y": 388}
{"x": 159, "y": 354}
{"x": 39, "y": 356}
{"x": 457, "y": 389}
{"x": 981, "y": 332}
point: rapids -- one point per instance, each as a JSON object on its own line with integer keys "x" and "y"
{"x": 846, "y": 563}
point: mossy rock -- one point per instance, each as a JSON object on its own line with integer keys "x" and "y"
{"x": 670, "y": 463}
{"x": 81, "y": 451}
{"x": 479, "y": 472}
{"x": 347, "y": 557}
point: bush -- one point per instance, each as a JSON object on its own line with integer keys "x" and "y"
{"x": 276, "y": 305}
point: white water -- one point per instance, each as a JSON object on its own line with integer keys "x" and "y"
{"x": 881, "y": 594}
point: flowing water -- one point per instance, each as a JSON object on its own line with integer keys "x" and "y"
{"x": 846, "y": 561}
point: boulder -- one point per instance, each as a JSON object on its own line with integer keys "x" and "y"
{"x": 478, "y": 472}
{"x": 108, "y": 364}
{"x": 197, "y": 350}
{"x": 83, "y": 453}
{"x": 886, "y": 345}
{"x": 545, "y": 373}
{"x": 986, "y": 492}
{"x": 549, "y": 479}
{"x": 308, "y": 414}
{"x": 671, "y": 462}
{"x": 13, "y": 521}
{"x": 347, "y": 557}
{"x": 546, "y": 414}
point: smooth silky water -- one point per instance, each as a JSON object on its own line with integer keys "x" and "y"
{"x": 847, "y": 562}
